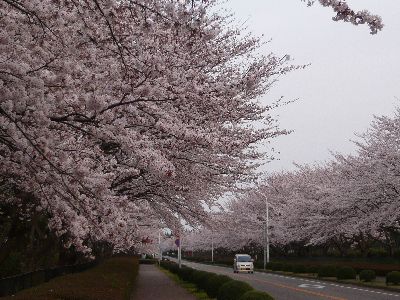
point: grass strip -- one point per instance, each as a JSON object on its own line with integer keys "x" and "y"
{"x": 111, "y": 280}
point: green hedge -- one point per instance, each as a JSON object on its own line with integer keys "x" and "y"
{"x": 214, "y": 283}
{"x": 216, "y": 286}
{"x": 11, "y": 266}
{"x": 170, "y": 266}
{"x": 393, "y": 277}
{"x": 312, "y": 269}
{"x": 276, "y": 266}
{"x": 287, "y": 268}
{"x": 256, "y": 295}
{"x": 367, "y": 275}
{"x": 346, "y": 273}
{"x": 185, "y": 273}
{"x": 299, "y": 269}
{"x": 327, "y": 271}
{"x": 377, "y": 252}
{"x": 200, "y": 278}
{"x": 146, "y": 261}
{"x": 233, "y": 290}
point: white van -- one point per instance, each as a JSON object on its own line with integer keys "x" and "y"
{"x": 243, "y": 263}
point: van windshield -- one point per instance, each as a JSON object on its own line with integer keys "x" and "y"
{"x": 244, "y": 258}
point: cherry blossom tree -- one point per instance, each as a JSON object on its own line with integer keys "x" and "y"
{"x": 117, "y": 113}
{"x": 350, "y": 201}
{"x": 346, "y": 14}
{"x": 376, "y": 190}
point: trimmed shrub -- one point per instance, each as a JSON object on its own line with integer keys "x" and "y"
{"x": 214, "y": 283}
{"x": 346, "y": 273}
{"x": 276, "y": 266}
{"x": 382, "y": 271}
{"x": 333, "y": 252}
{"x": 327, "y": 271}
{"x": 233, "y": 290}
{"x": 312, "y": 269}
{"x": 377, "y": 252}
{"x": 367, "y": 275}
{"x": 287, "y": 267}
{"x": 393, "y": 277}
{"x": 164, "y": 265}
{"x": 202, "y": 280}
{"x": 145, "y": 261}
{"x": 354, "y": 253}
{"x": 210, "y": 279}
{"x": 185, "y": 273}
{"x": 256, "y": 295}
{"x": 174, "y": 269}
{"x": 11, "y": 266}
{"x": 260, "y": 265}
{"x": 299, "y": 269}
{"x": 170, "y": 266}
{"x": 198, "y": 277}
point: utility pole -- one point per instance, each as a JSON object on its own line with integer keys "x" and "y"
{"x": 179, "y": 230}
{"x": 159, "y": 247}
{"x": 266, "y": 234}
{"x": 267, "y": 208}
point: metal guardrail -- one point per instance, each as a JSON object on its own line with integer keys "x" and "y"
{"x": 11, "y": 285}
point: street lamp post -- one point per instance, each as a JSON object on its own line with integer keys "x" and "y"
{"x": 265, "y": 234}
{"x": 212, "y": 248}
{"x": 180, "y": 252}
{"x": 159, "y": 248}
{"x": 264, "y": 243}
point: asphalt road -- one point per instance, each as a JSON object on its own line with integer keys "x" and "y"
{"x": 292, "y": 288}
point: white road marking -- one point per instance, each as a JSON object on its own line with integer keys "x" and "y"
{"x": 336, "y": 285}
{"x": 313, "y": 286}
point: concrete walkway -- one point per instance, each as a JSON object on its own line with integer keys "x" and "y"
{"x": 152, "y": 284}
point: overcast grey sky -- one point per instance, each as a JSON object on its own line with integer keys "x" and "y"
{"x": 353, "y": 75}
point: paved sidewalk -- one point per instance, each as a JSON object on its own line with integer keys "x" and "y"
{"x": 152, "y": 284}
